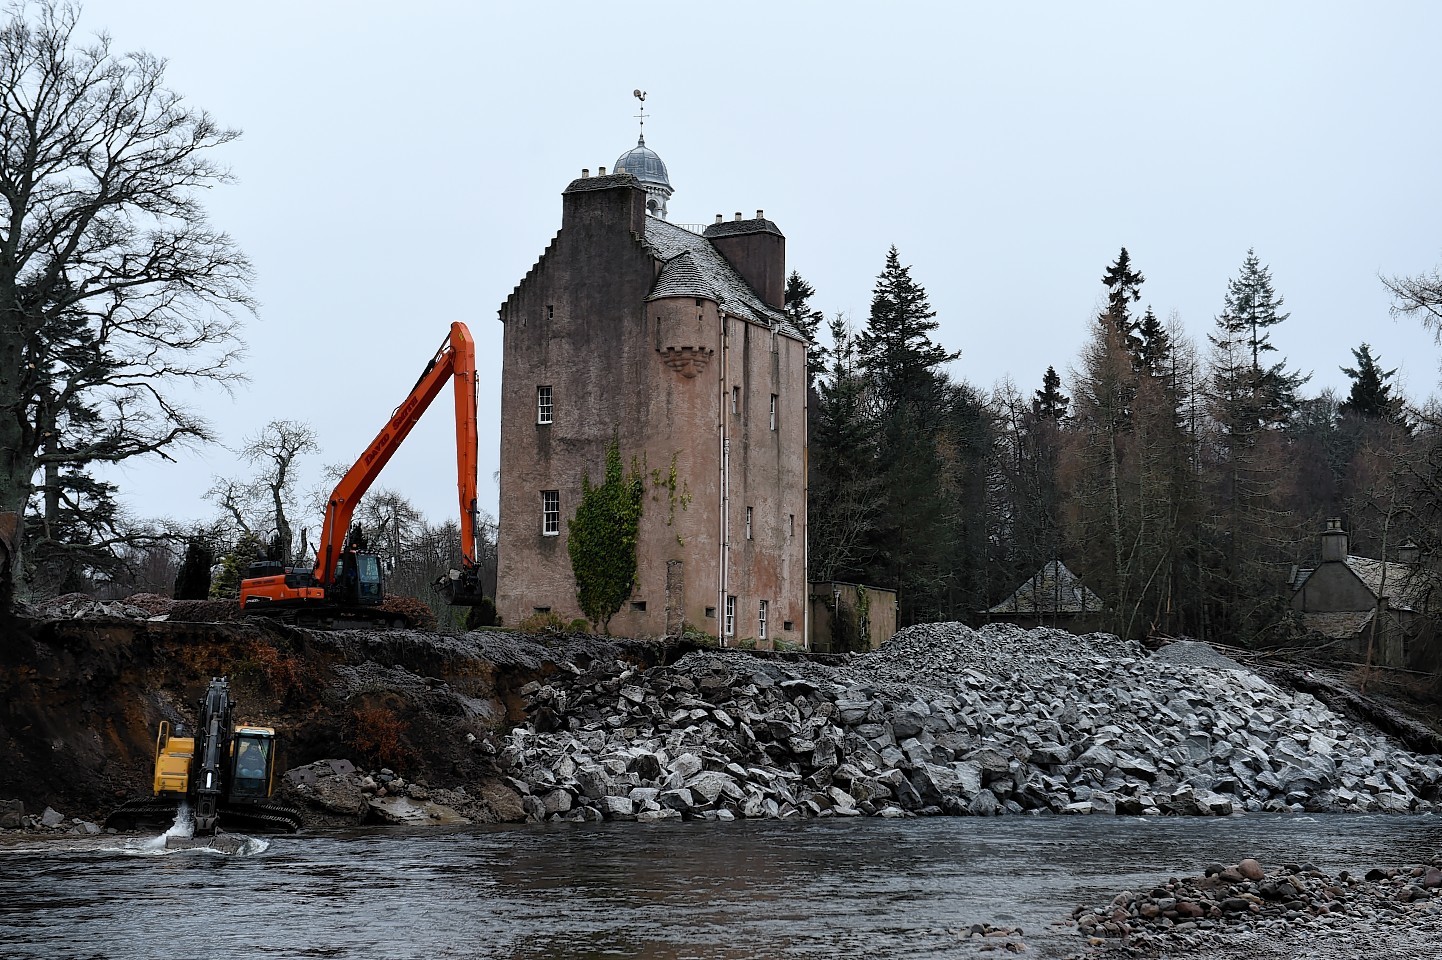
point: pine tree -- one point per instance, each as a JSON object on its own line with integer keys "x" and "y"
{"x": 797, "y": 305}
{"x": 1261, "y": 394}
{"x": 896, "y": 349}
{"x": 1371, "y": 394}
{"x": 845, "y": 492}
{"x": 1123, "y": 289}
{"x": 1049, "y": 402}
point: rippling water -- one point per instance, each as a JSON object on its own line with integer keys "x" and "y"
{"x": 827, "y": 888}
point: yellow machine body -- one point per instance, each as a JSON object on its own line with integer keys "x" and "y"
{"x": 172, "y": 763}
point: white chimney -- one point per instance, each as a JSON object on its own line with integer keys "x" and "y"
{"x": 719, "y": 218}
{"x": 760, "y": 214}
{"x": 600, "y": 171}
{"x": 738, "y": 214}
{"x": 585, "y": 172}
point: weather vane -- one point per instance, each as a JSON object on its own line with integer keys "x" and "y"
{"x": 641, "y": 95}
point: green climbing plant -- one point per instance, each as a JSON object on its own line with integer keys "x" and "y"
{"x": 602, "y": 539}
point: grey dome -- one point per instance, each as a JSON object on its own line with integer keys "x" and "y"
{"x": 643, "y": 164}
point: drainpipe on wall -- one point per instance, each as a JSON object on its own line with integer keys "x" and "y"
{"x": 806, "y": 497}
{"x": 723, "y": 542}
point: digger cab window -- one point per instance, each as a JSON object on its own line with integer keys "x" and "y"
{"x": 252, "y": 766}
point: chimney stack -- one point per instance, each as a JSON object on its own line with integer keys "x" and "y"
{"x": 585, "y": 171}
{"x": 1409, "y": 552}
{"x": 1334, "y": 541}
{"x": 600, "y": 171}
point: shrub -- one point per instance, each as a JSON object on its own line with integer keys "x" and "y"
{"x": 545, "y": 622}
{"x": 381, "y": 736}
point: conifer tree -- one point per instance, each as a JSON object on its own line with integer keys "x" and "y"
{"x": 896, "y": 349}
{"x": 1371, "y": 393}
{"x": 1049, "y": 402}
{"x": 1123, "y": 289}
{"x": 797, "y": 305}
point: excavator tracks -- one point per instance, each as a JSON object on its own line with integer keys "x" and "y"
{"x": 152, "y": 812}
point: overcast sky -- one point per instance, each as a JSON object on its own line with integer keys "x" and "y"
{"x": 402, "y": 164}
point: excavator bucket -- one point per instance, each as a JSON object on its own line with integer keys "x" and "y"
{"x": 462, "y": 588}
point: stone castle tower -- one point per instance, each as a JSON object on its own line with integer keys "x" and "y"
{"x": 672, "y": 340}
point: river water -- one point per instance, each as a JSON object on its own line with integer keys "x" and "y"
{"x": 824, "y": 888}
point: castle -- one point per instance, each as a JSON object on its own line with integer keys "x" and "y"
{"x": 671, "y": 340}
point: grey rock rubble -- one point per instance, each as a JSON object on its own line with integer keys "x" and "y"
{"x": 948, "y": 720}
{"x": 1236, "y": 905}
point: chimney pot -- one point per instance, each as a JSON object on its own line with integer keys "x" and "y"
{"x": 738, "y": 214}
{"x": 600, "y": 171}
{"x": 585, "y": 171}
{"x": 760, "y": 214}
{"x": 719, "y": 218}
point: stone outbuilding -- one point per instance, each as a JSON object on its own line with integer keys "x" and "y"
{"x": 1053, "y": 597}
{"x": 1356, "y": 601}
{"x": 850, "y": 617}
{"x": 672, "y": 340}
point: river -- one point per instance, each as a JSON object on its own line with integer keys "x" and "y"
{"x": 823, "y": 888}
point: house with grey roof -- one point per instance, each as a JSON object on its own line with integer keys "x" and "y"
{"x": 1054, "y": 597}
{"x": 670, "y": 339}
{"x": 1350, "y": 603}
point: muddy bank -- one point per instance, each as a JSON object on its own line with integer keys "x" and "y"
{"x": 81, "y": 699}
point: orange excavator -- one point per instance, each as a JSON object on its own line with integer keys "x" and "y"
{"x": 345, "y": 586}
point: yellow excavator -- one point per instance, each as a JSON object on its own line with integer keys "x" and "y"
{"x": 225, "y": 771}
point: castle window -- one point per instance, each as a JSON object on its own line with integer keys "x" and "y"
{"x": 761, "y": 622}
{"x": 543, "y": 404}
{"x": 792, "y": 518}
{"x": 730, "y": 616}
{"x": 638, "y": 605}
{"x": 710, "y": 613}
{"x": 735, "y": 399}
{"x": 748, "y": 523}
{"x": 551, "y": 513}
{"x": 788, "y": 625}
{"x": 773, "y": 411}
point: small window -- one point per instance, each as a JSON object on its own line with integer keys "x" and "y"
{"x": 550, "y": 311}
{"x": 730, "y": 616}
{"x": 791, "y": 518}
{"x": 761, "y": 622}
{"x": 788, "y": 625}
{"x": 748, "y": 523}
{"x": 735, "y": 399}
{"x": 551, "y": 513}
{"x": 773, "y": 411}
{"x": 638, "y": 605}
{"x": 710, "y": 613}
{"x": 540, "y": 609}
{"x": 543, "y": 404}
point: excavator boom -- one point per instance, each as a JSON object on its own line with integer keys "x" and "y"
{"x": 346, "y": 581}
{"x": 454, "y": 361}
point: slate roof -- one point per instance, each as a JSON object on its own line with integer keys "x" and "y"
{"x": 1053, "y": 590}
{"x": 610, "y": 180}
{"x": 1409, "y": 586}
{"x": 705, "y": 273}
{"x": 728, "y": 227}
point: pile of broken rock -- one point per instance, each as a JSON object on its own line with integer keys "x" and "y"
{"x": 944, "y": 719}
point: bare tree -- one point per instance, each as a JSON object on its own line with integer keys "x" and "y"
{"x": 1419, "y": 297}
{"x": 114, "y": 289}
{"x": 275, "y": 448}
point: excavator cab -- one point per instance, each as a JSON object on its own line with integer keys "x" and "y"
{"x": 359, "y": 580}
{"x": 254, "y": 764}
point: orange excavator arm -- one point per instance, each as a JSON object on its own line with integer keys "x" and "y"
{"x": 454, "y": 361}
